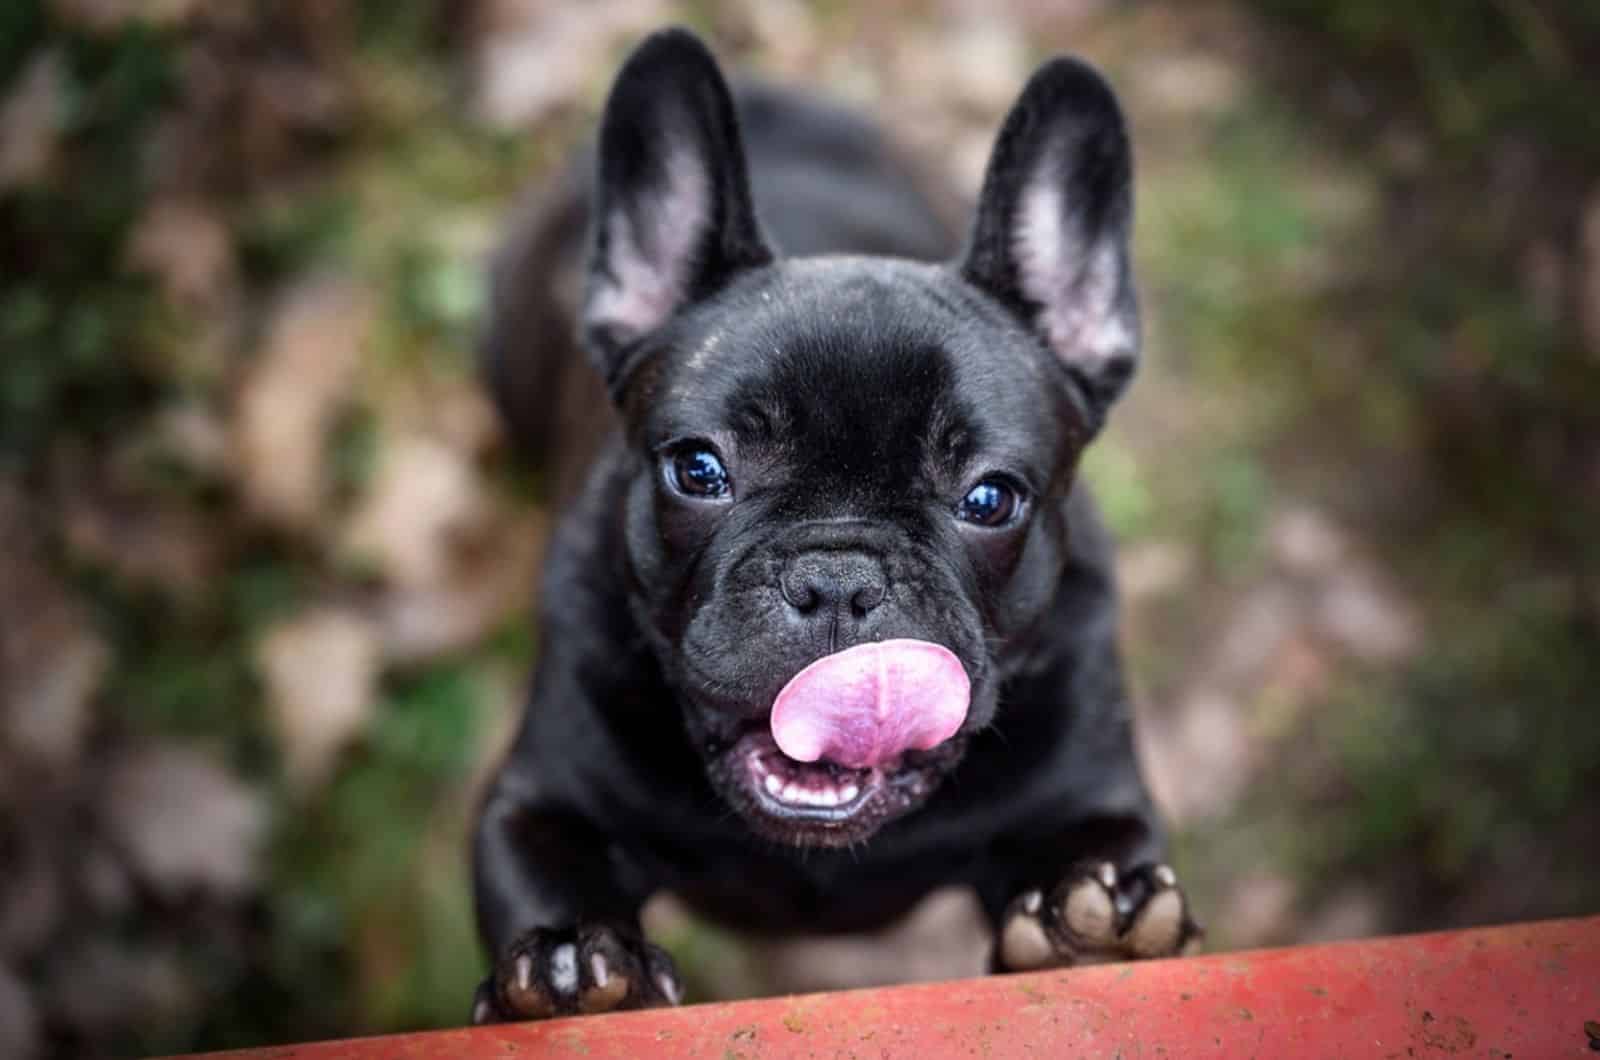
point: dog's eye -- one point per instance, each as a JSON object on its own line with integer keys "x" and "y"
{"x": 992, "y": 502}
{"x": 698, "y": 472}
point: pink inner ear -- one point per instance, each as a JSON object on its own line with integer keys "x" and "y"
{"x": 1075, "y": 282}
{"x": 650, "y": 249}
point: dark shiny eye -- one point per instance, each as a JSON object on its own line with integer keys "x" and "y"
{"x": 992, "y": 502}
{"x": 698, "y": 472}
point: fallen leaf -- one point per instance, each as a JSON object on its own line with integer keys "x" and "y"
{"x": 51, "y": 661}
{"x": 184, "y": 823}
{"x": 321, "y": 672}
{"x": 187, "y": 245}
{"x": 30, "y": 121}
{"x": 289, "y": 400}
{"x": 425, "y": 499}
{"x": 535, "y": 59}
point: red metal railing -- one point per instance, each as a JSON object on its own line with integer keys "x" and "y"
{"x": 1528, "y": 991}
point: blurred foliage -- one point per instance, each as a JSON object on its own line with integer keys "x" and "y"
{"x": 1478, "y": 68}
{"x": 76, "y": 329}
{"x": 364, "y": 922}
{"x": 1480, "y": 759}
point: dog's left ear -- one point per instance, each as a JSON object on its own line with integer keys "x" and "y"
{"x": 673, "y": 219}
{"x": 1054, "y": 217}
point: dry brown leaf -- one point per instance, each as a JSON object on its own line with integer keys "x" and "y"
{"x": 1589, "y": 289}
{"x": 321, "y": 673}
{"x": 425, "y": 500}
{"x": 51, "y": 661}
{"x": 1367, "y": 618}
{"x": 494, "y": 583}
{"x": 288, "y": 402}
{"x": 187, "y": 245}
{"x": 184, "y": 823}
{"x": 539, "y": 58}
{"x": 144, "y": 540}
{"x": 30, "y": 121}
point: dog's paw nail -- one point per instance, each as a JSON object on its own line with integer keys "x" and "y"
{"x": 1194, "y": 945}
{"x": 1164, "y": 876}
{"x": 1032, "y": 902}
{"x": 483, "y": 1005}
{"x": 668, "y": 985}
{"x": 1107, "y": 874}
{"x": 524, "y": 972}
{"x": 599, "y": 969}
{"x": 1088, "y": 909}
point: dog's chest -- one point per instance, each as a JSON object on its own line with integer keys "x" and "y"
{"x": 777, "y": 896}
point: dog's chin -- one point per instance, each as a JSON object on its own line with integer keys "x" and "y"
{"x": 819, "y": 804}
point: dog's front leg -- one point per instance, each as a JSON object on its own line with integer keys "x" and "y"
{"x": 564, "y": 937}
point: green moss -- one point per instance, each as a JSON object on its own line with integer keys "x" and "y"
{"x": 279, "y": 236}
{"x": 77, "y": 331}
{"x": 1479, "y": 67}
{"x": 1120, "y": 488}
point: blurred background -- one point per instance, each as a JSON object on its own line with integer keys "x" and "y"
{"x": 265, "y": 561}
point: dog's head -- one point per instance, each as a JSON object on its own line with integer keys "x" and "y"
{"x": 849, "y": 474}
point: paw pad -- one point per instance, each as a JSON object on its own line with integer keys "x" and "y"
{"x": 1098, "y": 914}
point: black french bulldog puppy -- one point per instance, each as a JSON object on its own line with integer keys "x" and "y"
{"x": 826, "y": 623}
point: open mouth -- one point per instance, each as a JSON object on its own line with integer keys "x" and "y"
{"x": 823, "y": 803}
{"x": 819, "y": 790}
{"x": 853, "y": 740}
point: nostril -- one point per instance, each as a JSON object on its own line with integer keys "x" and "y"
{"x": 845, "y": 585}
{"x": 803, "y": 597}
{"x": 865, "y": 599}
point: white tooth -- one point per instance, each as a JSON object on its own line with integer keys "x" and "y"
{"x": 850, "y": 792}
{"x": 774, "y": 785}
{"x": 791, "y": 793}
{"x": 828, "y": 798}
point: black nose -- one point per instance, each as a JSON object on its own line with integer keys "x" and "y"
{"x": 843, "y": 585}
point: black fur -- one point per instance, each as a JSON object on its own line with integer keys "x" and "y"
{"x": 854, "y": 400}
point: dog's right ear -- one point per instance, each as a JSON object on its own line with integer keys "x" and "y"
{"x": 673, "y": 219}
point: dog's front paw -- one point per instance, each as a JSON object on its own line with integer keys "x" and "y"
{"x": 1097, "y": 914}
{"x": 576, "y": 971}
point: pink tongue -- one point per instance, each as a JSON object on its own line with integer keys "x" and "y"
{"x": 867, "y": 704}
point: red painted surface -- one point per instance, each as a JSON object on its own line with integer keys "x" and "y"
{"x": 1523, "y": 991}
